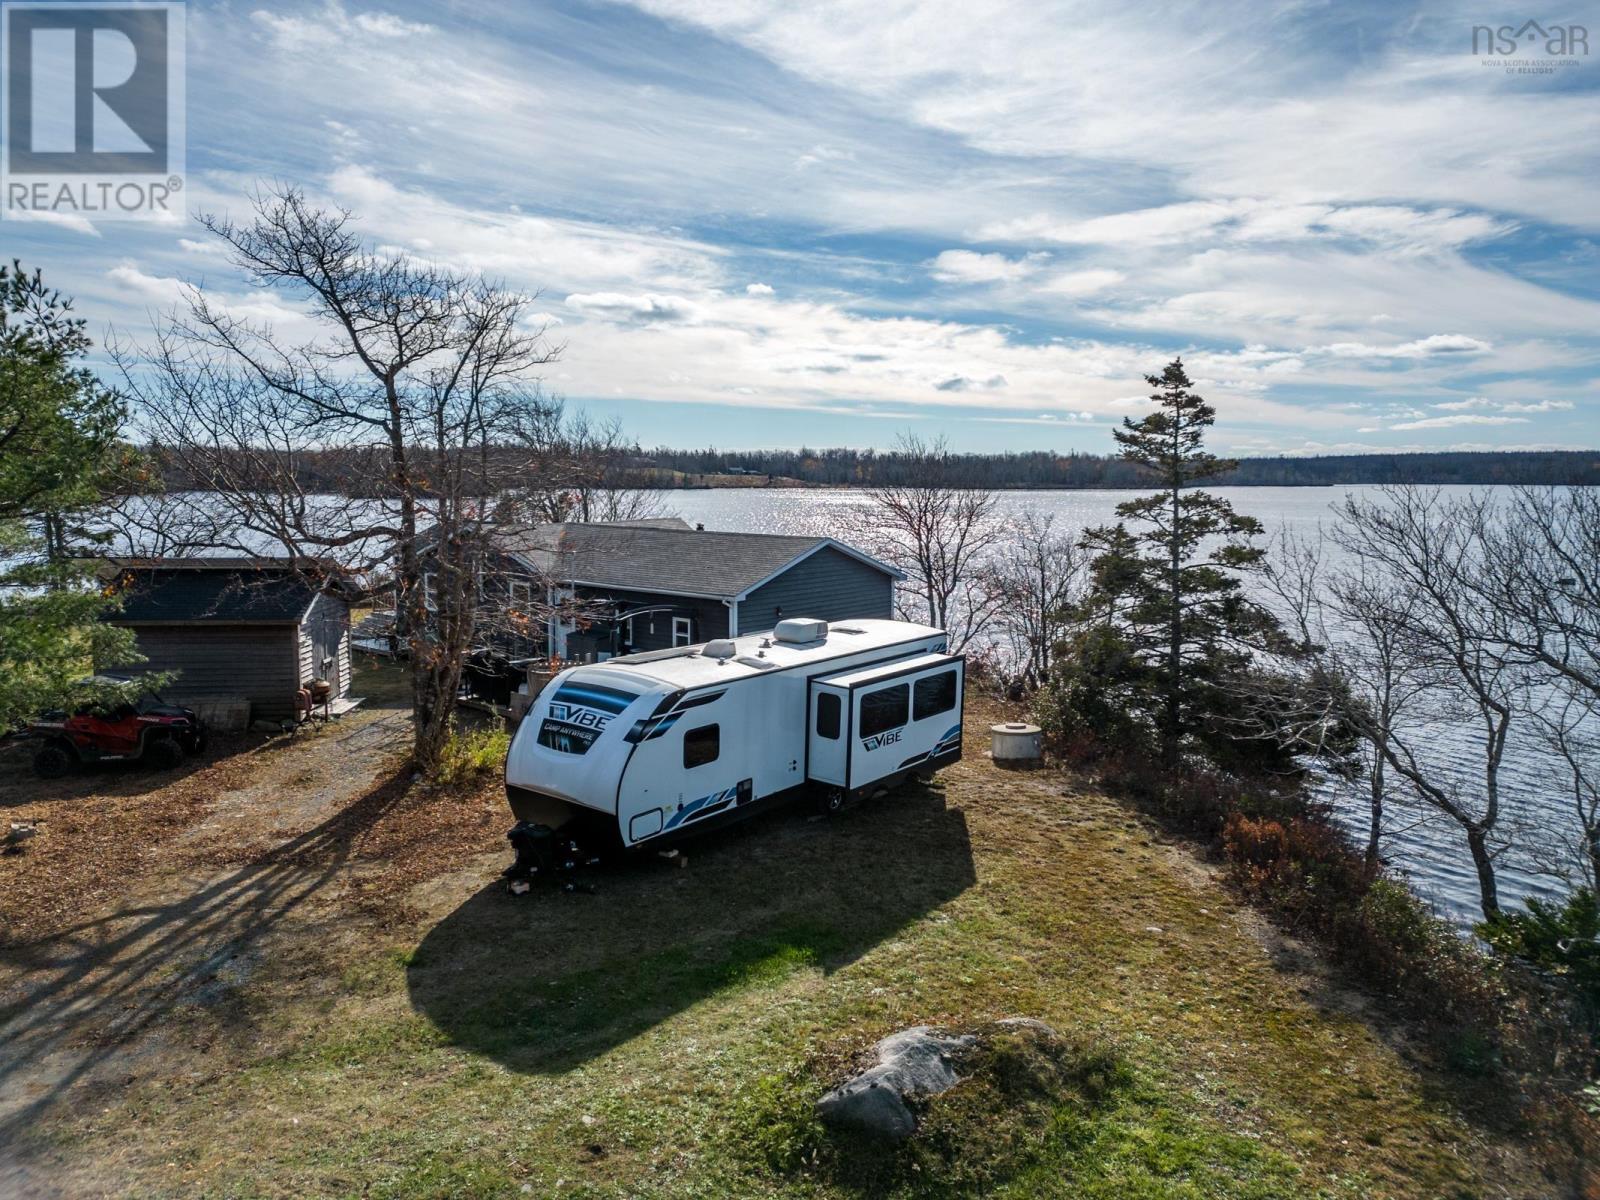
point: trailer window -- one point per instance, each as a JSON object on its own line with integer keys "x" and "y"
{"x": 884, "y": 709}
{"x": 702, "y": 745}
{"x": 828, "y": 712}
{"x": 934, "y": 695}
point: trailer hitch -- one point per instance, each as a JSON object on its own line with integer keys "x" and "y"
{"x": 542, "y": 853}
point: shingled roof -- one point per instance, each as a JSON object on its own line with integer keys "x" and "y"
{"x": 256, "y": 591}
{"x": 661, "y": 556}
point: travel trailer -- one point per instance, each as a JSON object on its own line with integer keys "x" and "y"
{"x": 674, "y": 741}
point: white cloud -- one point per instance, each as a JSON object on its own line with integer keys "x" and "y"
{"x": 153, "y": 288}
{"x": 540, "y": 252}
{"x": 1433, "y": 346}
{"x": 1538, "y": 406}
{"x": 1458, "y": 419}
{"x": 332, "y": 25}
{"x": 758, "y": 289}
{"x": 61, "y": 220}
{"x": 1081, "y": 283}
{"x": 1320, "y": 117}
{"x": 967, "y": 266}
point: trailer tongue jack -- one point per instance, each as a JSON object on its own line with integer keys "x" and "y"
{"x": 542, "y": 853}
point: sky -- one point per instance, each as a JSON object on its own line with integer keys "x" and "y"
{"x": 769, "y": 223}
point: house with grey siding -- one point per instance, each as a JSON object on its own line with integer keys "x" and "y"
{"x": 662, "y": 583}
{"x": 251, "y": 630}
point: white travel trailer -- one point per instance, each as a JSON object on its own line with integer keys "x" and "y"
{"x": 673, "y": 741}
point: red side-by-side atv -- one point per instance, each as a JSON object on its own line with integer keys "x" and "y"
{"x": 147, "y": 730}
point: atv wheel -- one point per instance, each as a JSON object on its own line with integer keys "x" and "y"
{"x": 163, "y": 754}
{"x": 52, "y": 762}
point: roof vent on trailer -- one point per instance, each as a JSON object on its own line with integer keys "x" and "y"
{"x": 801, "y": 629}
{"x": 722, "y": 649}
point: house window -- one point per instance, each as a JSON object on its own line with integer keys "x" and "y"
{"x": 828, "y": 712}
{"x": 701, "y": 746}
{"x": 430, "y": 591}
{"x": 934, "y": 695}
{"x": 682, "y": 631}
{"x": 520, "y": 593}
{"x": 884, "y": 709}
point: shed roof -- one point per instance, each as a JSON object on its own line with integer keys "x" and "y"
{"x": 207, "y": 591}
{"x": 664, "y": 557}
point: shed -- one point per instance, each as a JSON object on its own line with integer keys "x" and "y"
{"x": 251, "y": 630}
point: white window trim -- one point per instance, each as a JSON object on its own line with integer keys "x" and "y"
{"x": 430, "y": 591}
{"x": 520, "y": 592}
{"x": 687, "y": 624}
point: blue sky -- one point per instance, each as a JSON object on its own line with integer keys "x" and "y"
{"x": 772, "y": 223}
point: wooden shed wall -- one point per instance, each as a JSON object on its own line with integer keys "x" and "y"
{"x": 328, "y": 617}
{"x": 258, "y": 662}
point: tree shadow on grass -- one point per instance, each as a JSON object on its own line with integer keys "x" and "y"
{"x": 86, "y": 997}
{"x": 546, "y": 982}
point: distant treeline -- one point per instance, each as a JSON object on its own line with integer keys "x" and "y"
{"x": 333, "y": 470}
{"x": 1042, "y": 469}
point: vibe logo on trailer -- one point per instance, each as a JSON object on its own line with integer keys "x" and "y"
{"x": 92, "y": 110}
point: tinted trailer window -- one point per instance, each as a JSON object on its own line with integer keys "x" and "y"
{"x": 885, "y": 709}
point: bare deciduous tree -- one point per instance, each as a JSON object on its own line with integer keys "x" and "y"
{"x": 1421, "y": 551}
{"x": 579, "y": 469}
{"x": 416, "y": 371}
{"x": 1035, "y": 580}
{"x": 1540, "y": 585}
{"x": 939, "y": 534}
{"x": 1360, "y": 666}
{"x": 1540, "y": 582}
{"x": 1569, "y": 728}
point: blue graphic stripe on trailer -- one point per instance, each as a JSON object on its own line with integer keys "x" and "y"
{"x": 697, "y": 701}
{"x": 662, "y": 724}
{"x": 950, "y": 740}
{"x": 595, "y": 696}
{"x": 651, "y": 727}
{"x": 703, "y": 807}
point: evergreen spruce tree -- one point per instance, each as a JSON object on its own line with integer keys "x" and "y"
{"x": 1166, "y": 624}
{"x": 59, "y": 431}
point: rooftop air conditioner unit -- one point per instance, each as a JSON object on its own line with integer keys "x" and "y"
{"x": 801, "y": 629}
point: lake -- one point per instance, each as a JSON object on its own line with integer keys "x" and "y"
{"x": 1430, "y": 851}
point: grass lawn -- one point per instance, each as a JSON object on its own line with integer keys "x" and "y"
{"x": 667, "y": 1034}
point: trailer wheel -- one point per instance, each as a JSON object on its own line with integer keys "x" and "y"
{"x": 831, "y": 801}
{"x": 52, "y": 762}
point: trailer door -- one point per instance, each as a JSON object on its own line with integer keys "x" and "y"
{"x": 828, "y": 735}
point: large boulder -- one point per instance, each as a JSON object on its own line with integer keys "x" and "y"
{"x": 914, "y": 1062}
